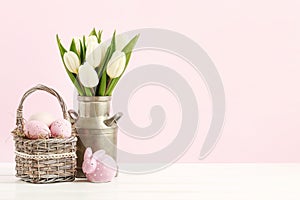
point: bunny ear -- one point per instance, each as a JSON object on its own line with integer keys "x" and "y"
{"x": 88, "y": 153}
{"x": 109, "y": 162}
{"x": 98, "y": 155}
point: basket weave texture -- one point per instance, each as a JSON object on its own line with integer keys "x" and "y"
{"x": 44, "y": 160}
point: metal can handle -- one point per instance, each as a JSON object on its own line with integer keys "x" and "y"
{"x": 113, "y": 119}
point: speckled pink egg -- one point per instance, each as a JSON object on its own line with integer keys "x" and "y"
{"x": 61, "y": 128}
{"x": 44, "y": 117}
{"x": 36, "y": 130}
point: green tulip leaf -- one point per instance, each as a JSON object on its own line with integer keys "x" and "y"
{"x": 100, "y": 69}
{"x": 74, "y": 49}
{"x": 103, "y": 84}
{"x": 84, "y": 47}
{"x": 81, "y": 53}
{"x": 127, "y": 50}
{"x": 93, "y": 32}
{"x": 62, "y": 51}
{"x": 110, "y": 50}
{"x": 88, "y": 92}
{"x": 99, "y": 36}
{"x": 113, "y": 43}
{"x": 129, "y": 47}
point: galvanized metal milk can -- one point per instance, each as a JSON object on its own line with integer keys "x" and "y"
{"x": 95, "y": 128}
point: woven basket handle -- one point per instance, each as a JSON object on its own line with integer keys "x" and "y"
{"x": 19, "y": 122}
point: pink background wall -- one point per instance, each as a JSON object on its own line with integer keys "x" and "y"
{"x": 255, "y": 46}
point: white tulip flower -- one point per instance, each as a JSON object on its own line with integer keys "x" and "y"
{"x": 103, "y": 49}
{"x": 91, "y": 40}
{"x": 88, "y": 75}
{"x": 116, "y": 64}
{"x": 77, "y": 43}
{"x": 71, "y": 61}
{"x": 95, "y": 54}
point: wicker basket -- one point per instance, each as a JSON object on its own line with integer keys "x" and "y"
{"x": 44, "y": 160}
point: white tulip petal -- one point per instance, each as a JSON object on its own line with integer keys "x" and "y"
{"x": 116, "y": 64}
{"x": 77, "y": 43}
{"x": 91, "y": 40}
{"x": 103, "y": 49}
{"x": 95, "y": 54}
{"x": 71, "y": 61}
{"x": 88, "y": 75}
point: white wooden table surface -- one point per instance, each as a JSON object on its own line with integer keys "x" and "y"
{"x": 180, "y": 181}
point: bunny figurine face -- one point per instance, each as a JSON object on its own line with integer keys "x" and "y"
{"x": 98, "y": 167}
{"x": 89, "y": 164}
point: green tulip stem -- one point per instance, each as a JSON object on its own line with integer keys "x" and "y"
{"x": 102, "y": 87}
{"x": 92, "y": 91}
{"x": 108, "y": 84}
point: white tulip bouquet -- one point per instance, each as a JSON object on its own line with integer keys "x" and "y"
{"x": 94, "y": 67}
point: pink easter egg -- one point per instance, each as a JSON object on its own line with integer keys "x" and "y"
{"x": 36, "y": 130}
{"x": 61, "y": 128}
{"x": 44, "y": 117}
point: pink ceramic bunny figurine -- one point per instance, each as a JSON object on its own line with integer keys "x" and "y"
{"x": 98, "y": 167}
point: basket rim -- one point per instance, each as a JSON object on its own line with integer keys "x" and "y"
{"x": 45, "y": 139}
